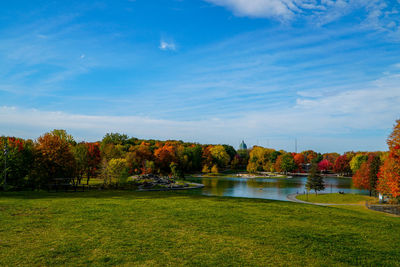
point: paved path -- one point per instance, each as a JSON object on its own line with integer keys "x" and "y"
{"x": 292, "y": 197}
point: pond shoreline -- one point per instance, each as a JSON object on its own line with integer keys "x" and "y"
{"x": 193, "y": 186}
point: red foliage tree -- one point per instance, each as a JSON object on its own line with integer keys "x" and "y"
{"x": 342, "y": 165}
{"x": 93, "y": 159}
{"x": 324, "y": 165}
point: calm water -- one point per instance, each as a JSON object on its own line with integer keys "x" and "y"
{"x": 276, "y": 189}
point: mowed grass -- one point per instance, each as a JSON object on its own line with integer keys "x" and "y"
{"x": 178, "y": 229}
{"x": 336, "y": 198}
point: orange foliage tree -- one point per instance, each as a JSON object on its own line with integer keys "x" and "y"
{"x": 53, "y": 159}
{"x": 165, "y": 155}
{"x": 299, "y": 160}
{"x": 389, "y": 174}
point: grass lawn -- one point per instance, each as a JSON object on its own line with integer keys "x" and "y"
{"x": 177, "y": 228}
{"x": 336, "y": 198}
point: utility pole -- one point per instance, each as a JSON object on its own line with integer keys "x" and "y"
{"x": 295, "y": 145}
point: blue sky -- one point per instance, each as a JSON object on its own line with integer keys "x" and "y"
{"x": 215, "y": 71}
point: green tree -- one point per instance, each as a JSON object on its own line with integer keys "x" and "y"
{"x": 374, "y": 163}
{"x": 230, "y": 150}
{"x": 176, "y": 171}
{"x": 314, "y": 180}
{"x": 19, "y": 160}
{"x": 81, "y": 158}
{"x": 288, "y": 164}
{"x": 63, "y": 135}
{"x": 114, "y": 138}
{"x": 117, "y": 169}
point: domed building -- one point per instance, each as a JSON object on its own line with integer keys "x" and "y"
{"x": 242, "y": 145}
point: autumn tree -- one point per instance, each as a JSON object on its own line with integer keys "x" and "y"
{"x": 367, "y": 175}
{"x": 356, "y": 162}
{"x": 164, "y": 156}
{"x": 137, "y": 157}
{"x": 53, "y": 159}
{"x": 342, "y": 165}
{"x": 389, "y": 178}
{"x": 19, "y": 159}
{"x": 310, "y": 156}
{"x": 220, "y": 156}
{"x": 299, "y": 160}
{"x": 389, "y": 174}
{"x": 324, "y": 165}
{"x": 93, "y": 160}
{"x": 393, "y": 140}
{"x": 214, "y": 169}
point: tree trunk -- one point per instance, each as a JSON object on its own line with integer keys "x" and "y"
{"x": 88, "y": 178}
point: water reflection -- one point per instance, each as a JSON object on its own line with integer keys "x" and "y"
{"x": 267, "y": 188}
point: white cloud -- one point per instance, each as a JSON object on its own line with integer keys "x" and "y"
{"x": 259, "y": 8}
{"x": 167, "y": 45}
{"x": 352, "y": 113}
{"x": 378, "y": 13}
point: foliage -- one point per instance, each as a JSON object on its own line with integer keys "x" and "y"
{"x": 288, "y": 164}
{"x": 342, "y": 165}
{"x": 314, "y": 180}
{"x": 206, "y": 169}
{"x": 164, "y": 156}
{"x": 63, "y": 135}
{"x": 81, "y": 159}
{"x": 19, "y": 160}
{"x": 214, "y": 169}
{"x": 117, "y": 171}
{"x": 175, "y": 171}
{"x": 220, "y": 156}
{"x": 53, "y": 159}
{"x": 114, "y": 138}
{"x": 93, "y": 159}
{"x": 394, "y": 138}
{"x": 356, "y": 162}
{"x": 389, "y": 178}
{"x": 299, "y": 160}
{"x": 324, "y": 165}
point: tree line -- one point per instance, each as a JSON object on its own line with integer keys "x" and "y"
{"x": 116, "y": 157}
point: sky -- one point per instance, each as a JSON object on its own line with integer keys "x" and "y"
{"x": 323, "y": 72}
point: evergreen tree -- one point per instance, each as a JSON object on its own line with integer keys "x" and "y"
{"x": 315, "y": 181}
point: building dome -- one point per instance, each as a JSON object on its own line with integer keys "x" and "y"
{"x": 242, "y": 145}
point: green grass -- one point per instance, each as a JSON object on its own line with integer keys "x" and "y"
{"x": 336, "y": 198}
{"x": 179, "y": 229}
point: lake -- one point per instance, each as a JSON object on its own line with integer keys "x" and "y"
{"x": 267, "y": 188}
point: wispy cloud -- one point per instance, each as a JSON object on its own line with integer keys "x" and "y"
{"x": 377, "y": 14}
{"x": 332, "y": 117}
{"x": 164, "y": 45}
